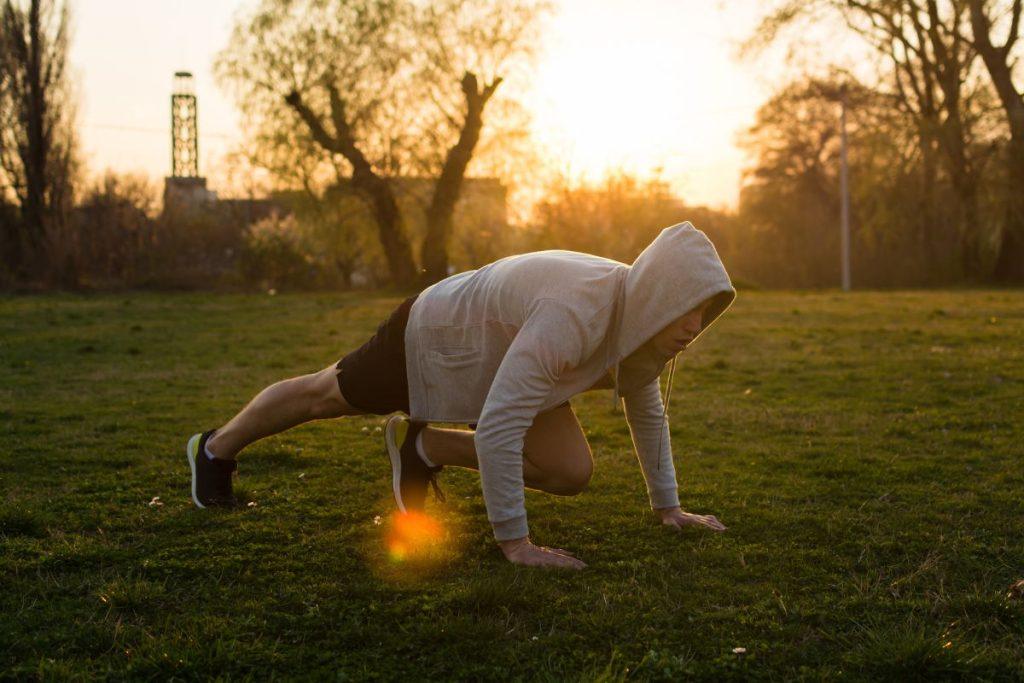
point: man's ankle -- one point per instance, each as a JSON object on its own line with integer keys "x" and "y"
{"x": 214, "y": 448}
{"x": 421, "y": 449}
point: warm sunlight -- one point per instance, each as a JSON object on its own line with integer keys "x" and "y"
{"x": 645, "y": 89}
{"x": 357, "y": 361}
{"x": 637, "y": 85}
{"x": 610, "y": 108}
{"x": 413, "y": 534}
{"x": 413, "y": 546}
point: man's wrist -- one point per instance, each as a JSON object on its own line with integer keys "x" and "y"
{"x": 664, "y": 497}
{"x": 511, "y": 529}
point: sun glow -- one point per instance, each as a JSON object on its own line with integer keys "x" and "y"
{"x": 404, "y": 549}
{"x": 608, "y": 109}
{"x": 620, "y": 83}
{"x": 645, "y": 88}
{"x": 413, "y": 534}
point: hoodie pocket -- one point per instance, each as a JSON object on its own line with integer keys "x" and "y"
{"x": 454, "y": 357}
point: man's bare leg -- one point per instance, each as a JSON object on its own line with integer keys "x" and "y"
{"x": 556, "y": 455}
{"x": 279, "y": 407}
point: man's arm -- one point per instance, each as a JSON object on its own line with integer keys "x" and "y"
{"x": 648, "y": 428}
{"x": 550, "y": 341}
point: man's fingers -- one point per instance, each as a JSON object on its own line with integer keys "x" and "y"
{"x": 539, "y": 556}
{"x": 565, "y": 560}
{"x": 688, "y": 519}
{"x": 712, "y": 521}
{"x": 556, "y": 560}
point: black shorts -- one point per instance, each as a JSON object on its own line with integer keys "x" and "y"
{"x": 372, "y": 378}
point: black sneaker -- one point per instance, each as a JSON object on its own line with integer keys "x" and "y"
{"x": 211, "y": 479}
{"x": 409, "y": 474}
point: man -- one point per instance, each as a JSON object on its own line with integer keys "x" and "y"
{"x": 503, "y": 348}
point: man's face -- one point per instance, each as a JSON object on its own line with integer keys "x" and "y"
{"x": 674, "y": 337}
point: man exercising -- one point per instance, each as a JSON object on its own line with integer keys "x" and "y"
{"x": 503, "y": 348}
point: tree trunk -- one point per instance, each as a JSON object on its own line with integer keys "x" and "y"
{"x": 30, "y": 103}
{"x": 390, "y": 226}
{"x": 449, "y": 184}
{"x": 967, "y": 226}
{"x": 996, "y": 60}
{"x": 37, "y": 158}
{"x": 1009, "y": 268}
{"x": 953, "y": 140}
{"x": 929, "y": 220}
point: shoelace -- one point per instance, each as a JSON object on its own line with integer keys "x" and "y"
{"x": 437, "y": 489}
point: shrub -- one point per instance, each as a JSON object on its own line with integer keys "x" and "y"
{"x": 274, "y": 256}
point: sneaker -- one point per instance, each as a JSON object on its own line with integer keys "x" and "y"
{"x": 409, "y": 474}
{"x": 211, "y": 479}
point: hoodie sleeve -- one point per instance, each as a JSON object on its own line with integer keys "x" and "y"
{"x": 644, "y": 410}
{"x": 550, "y": 341}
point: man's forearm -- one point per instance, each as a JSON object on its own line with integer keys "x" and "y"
{"x": 653, "y": 446}
{"x": 501, "y": 480}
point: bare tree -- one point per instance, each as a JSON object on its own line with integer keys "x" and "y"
{"x": 375, "y": 83}
{"x": 790, "y": 198}
{"x": 328, "y": 65}
{"x": 475, "y": 44}
{"x": 1000, "y": 63}
{"x": 36, "y": 137}
{"x": 9, "y": 228}
{"x": 931, "y": 79}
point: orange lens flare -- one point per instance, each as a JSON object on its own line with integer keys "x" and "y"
{"x": 412, "y": 534}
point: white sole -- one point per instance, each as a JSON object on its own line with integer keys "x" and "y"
{"x": 395, "y": 456}
{"x": 191, "y": 452}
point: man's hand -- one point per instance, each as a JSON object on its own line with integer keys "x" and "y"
{"x": 677, "y": 518}
{"x": 522, "y": 551}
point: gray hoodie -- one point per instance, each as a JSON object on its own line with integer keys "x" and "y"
{"x": 522, "y": 335}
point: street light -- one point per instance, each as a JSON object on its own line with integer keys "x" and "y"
{"x": 844, "y": 193}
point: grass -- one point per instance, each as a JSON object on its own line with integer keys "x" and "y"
{"x": 864, "y": 451}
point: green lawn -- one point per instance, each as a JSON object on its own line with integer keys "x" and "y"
{"x": 866, "y": 452}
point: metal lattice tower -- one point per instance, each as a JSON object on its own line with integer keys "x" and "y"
{"x": 184, "y": 127}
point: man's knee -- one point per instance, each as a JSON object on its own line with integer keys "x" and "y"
{"x": 572, "y": 482}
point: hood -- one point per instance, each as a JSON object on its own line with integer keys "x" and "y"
{"x": 678, "y": 271}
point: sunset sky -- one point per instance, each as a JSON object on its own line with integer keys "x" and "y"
{"x": 632, "y": 83}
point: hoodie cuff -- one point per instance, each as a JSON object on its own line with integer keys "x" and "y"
{"x": 664, "y": 498}
{"x": 509, "y": 529}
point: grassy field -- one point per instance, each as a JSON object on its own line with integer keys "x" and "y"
{"x": 865, "y": 452}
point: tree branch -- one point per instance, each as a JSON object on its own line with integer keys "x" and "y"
{"x": 1011, "y": 37}
{"x": 316, "y": 127}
